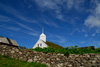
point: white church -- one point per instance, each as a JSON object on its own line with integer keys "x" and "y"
{"x": 41, "y": 42}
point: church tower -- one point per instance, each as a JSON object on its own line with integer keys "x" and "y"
{"x": 43, "y": 36}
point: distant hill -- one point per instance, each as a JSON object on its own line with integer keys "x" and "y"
{"x": 56, "y": 46}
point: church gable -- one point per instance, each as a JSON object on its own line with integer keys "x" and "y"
{"x": 40, "y": 44}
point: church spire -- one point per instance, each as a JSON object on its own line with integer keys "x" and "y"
{"x": 43, "y": 36}
{"x": 42, "y": 30}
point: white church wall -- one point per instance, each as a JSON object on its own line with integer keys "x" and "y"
{"x": 40, "y": 44}
{"x": 43, "y": 38}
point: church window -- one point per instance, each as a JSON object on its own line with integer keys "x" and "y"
{"x": 40, "y": 44}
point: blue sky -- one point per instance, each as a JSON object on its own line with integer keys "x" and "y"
{"x": 65, "y": 22}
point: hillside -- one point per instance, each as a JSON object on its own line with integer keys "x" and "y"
{"x": 9, "y": 62}
{"x": 50, "y": 44}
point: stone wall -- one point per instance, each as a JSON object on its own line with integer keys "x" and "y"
{"x": 55, "y": 60}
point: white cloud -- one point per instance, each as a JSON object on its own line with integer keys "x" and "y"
{"x": 4, "y": 18}
{"x": 79, "y": 5}
{"x": 97, "y": 31}
{"x": 95, "y": 43}
{"x": 32, "y": 33}
{"x": 74, "y": 30}
{"x": 86, "y": 35}
{"x": 24, "y": 26}
{"x": 17, "y": 13}
{"x": 54, "y": 5}
{"x": 48, "y": 4}
{"x": 97, "y": 10}
{"x": 61, "y": 39}
{"x": 93, "y": 34}
{"x": 60, "y": 16}
{"x": 83, "y": 30}
{"x": 70, "y": 4}
{"x": 57, "y": 38}
{"x": 82, "y": 42}
{"x": 93, "y": 20}
{"x": 51, "y": 24}
{"x": 57, "y": 6}
{"x": 48, "y": 21}
{"x": 9, "y": 27}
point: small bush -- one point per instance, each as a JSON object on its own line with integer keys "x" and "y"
{"x": 68, "y": 50}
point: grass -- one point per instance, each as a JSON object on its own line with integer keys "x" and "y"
{"x": 68, "y": 50}
{"x": 9, "y": 62}
{"x": 56, "y": 46}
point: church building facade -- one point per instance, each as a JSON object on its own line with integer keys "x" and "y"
{"x": 41, "y": 42}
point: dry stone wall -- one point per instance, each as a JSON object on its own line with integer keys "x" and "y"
{"x": 54, "y": 60}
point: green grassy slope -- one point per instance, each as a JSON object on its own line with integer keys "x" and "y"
{"x": 50, "y": 44}
{"x": 9, "y": 62}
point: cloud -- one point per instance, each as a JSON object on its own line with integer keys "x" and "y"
{"x": 83, "y": 30}
{"x": 74, "y": 30}
{"x": 57, "y": 38}
{"x": 97, "y": 31}
{"x": 47, "y": 4}
{"x": 79, "y": 5}
{"x": 58, "y": 6}
{"x": 9, "y": 27}
{"x": 51, "y": 5}
{"x": 82, "y": 42}
{"x": 60, "y": 16}
{"x": 32, "y": 33}
{"x": 95, "y": 43}
{"x": 4, "y": 18}
{"x": 54, "y": 5}
{"x": 17, "y": 13}
{"x": 93, "y": 34}
{"x": 61, "y": 39}
{"x": 24, "y": 26}
{"x": 29, "y": 30}
{"x": 86, "y": 35}
{"x": 51, "y": 24}
{"x": 29, "y": 3}
{"x": 21, "y": 16}
{"x": 93, "y": 20}
{"x": 48, "y": 21}
{"x": 70, "y": 4}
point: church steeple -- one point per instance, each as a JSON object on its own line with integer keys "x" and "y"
{"x": 43, "y": 36}
{"x": 42, "y": 30}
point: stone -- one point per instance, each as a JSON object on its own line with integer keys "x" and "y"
{"x": 50, "y": 59}
{"x": 93, "y": 61}
{"x": 70, "y": 65}
{"x": 30, "y": 60}
{"x": 58, "y": 59}
{"x": 16, "y": 50}
{"x": 20, "y": 52}
{"x": 12, "y": 51}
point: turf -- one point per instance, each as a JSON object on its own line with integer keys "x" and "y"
{"x": 9, "y": 62}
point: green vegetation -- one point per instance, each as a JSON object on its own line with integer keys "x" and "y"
{"x": 9, "y": 62}
{"x": 68, "y": 50}
{"x": 50, "y": 44}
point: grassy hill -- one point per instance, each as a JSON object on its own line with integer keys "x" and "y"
{"x": 56, "y": 46}
{"x": 9, "y": 62}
